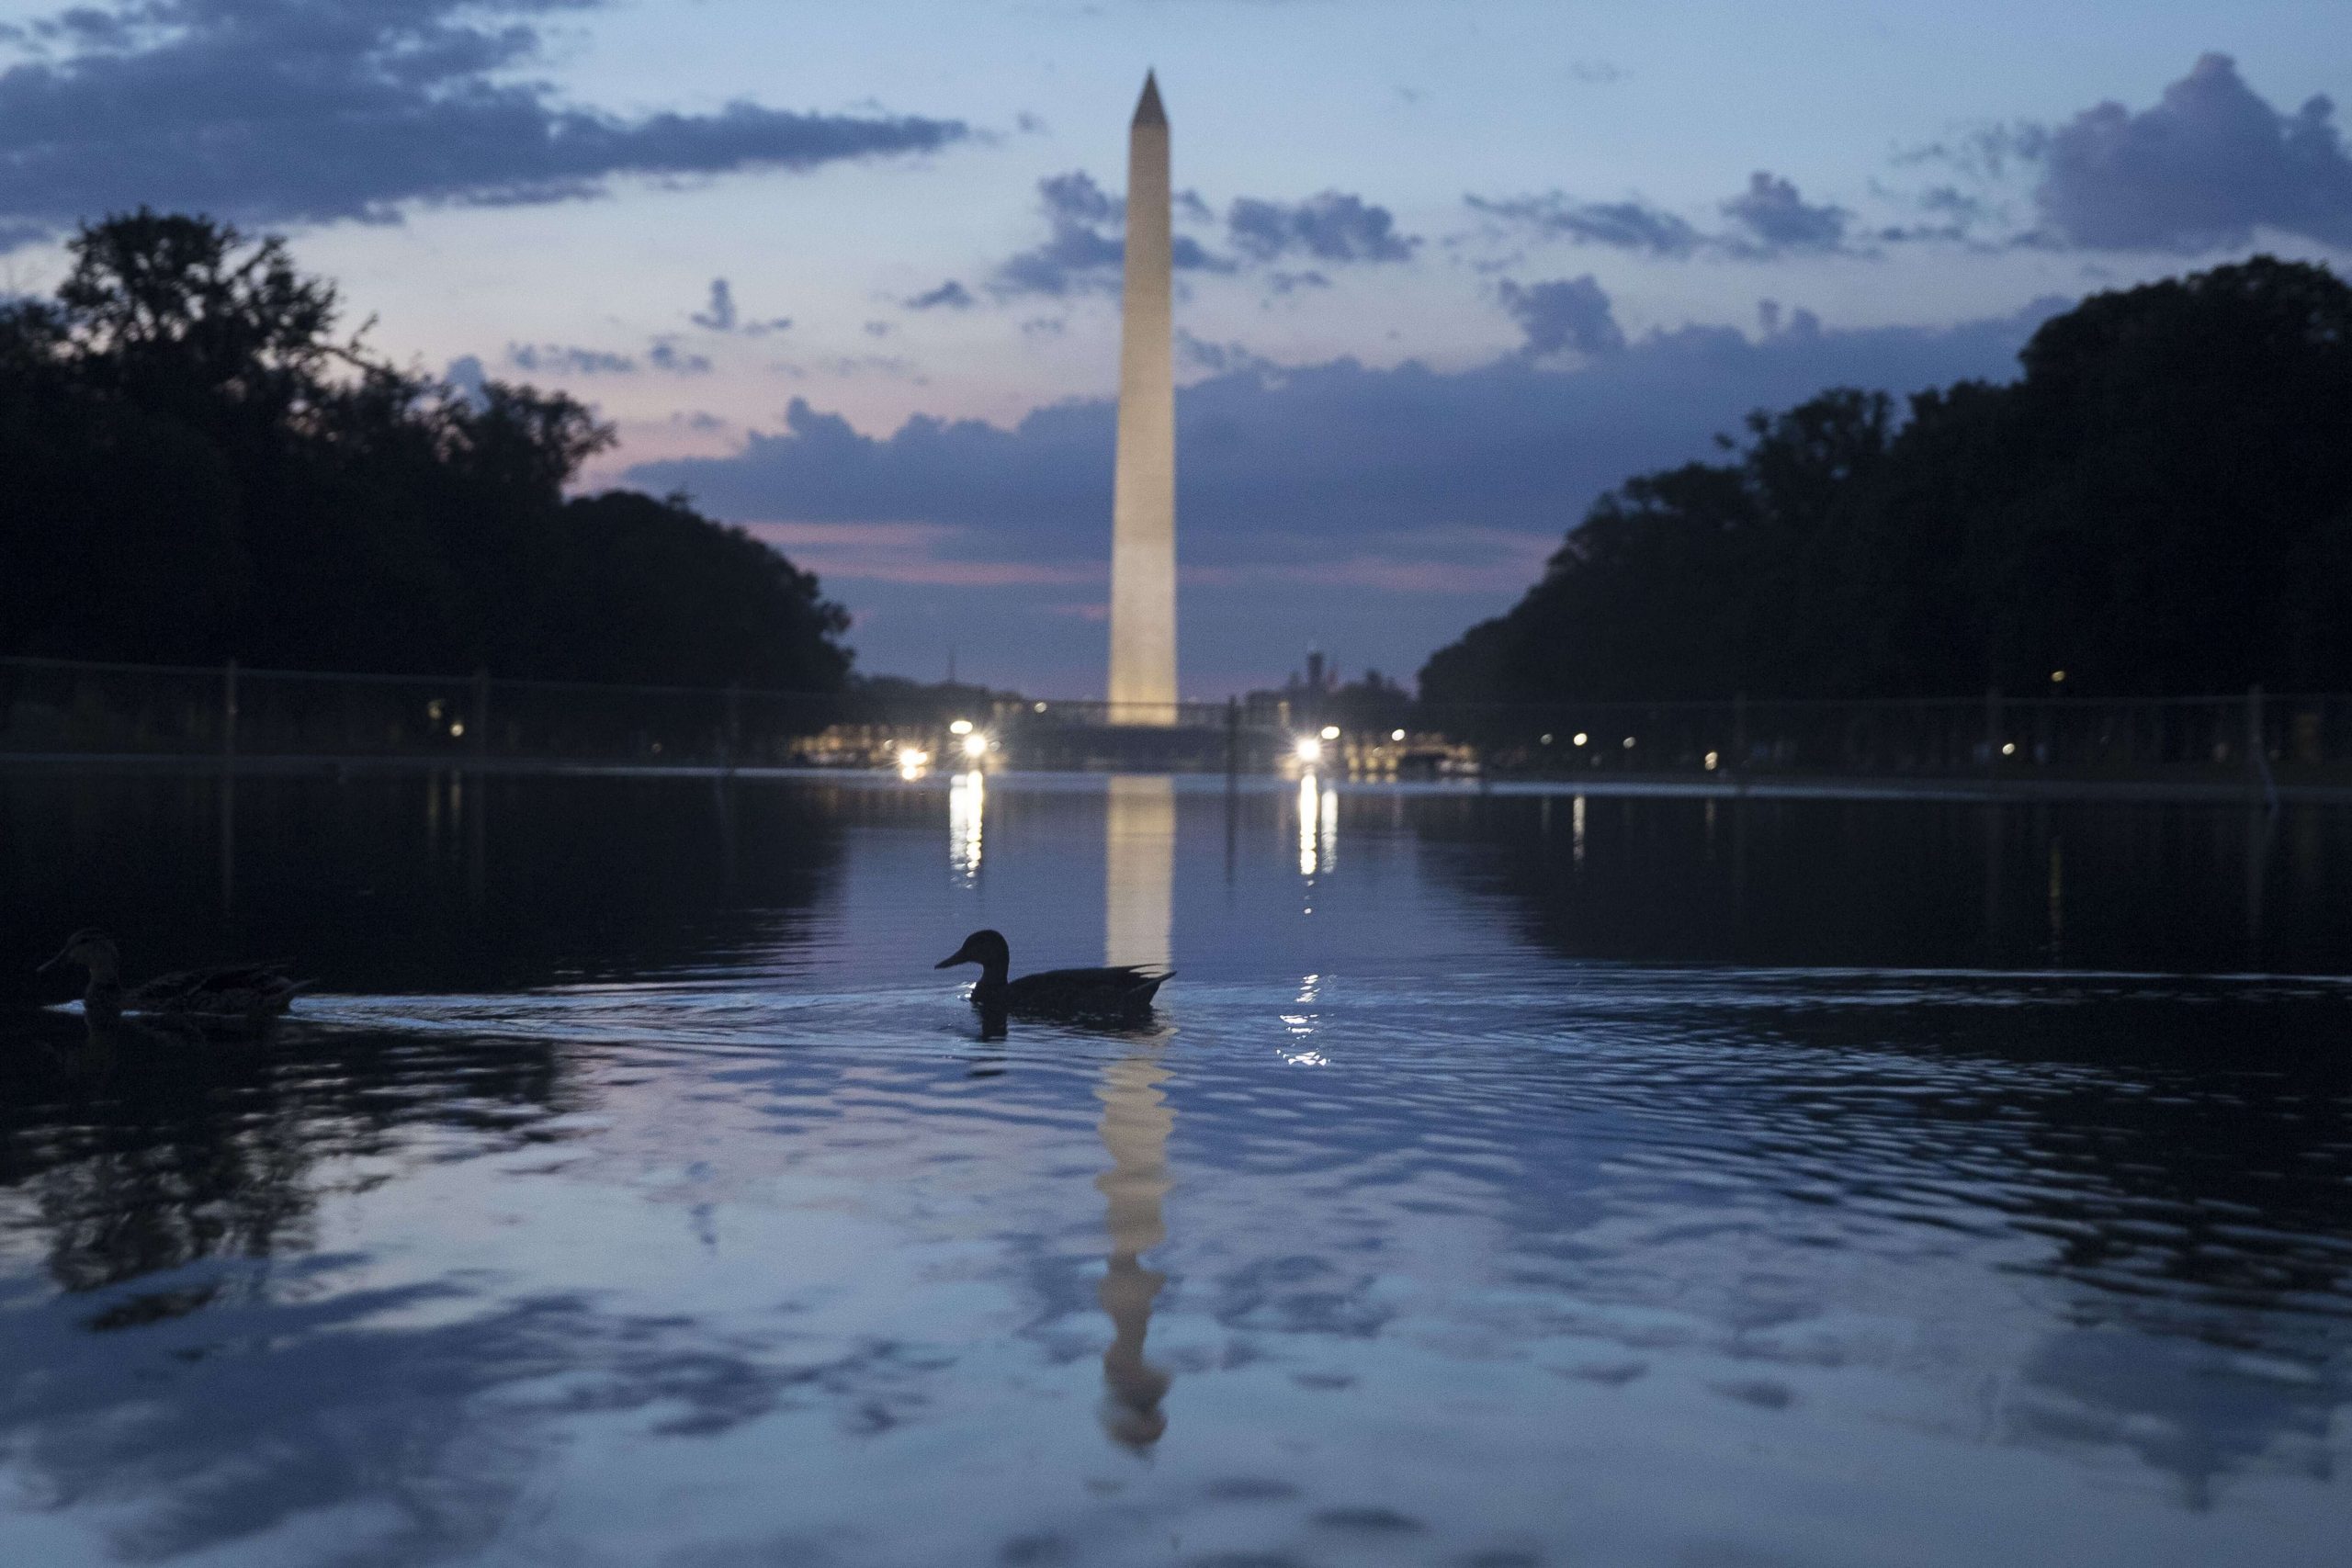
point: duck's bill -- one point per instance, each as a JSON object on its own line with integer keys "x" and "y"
{"x": 951, "y": 961}
{"x": 53, "y": 962}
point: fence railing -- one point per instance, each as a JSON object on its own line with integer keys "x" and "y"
{"x": 2261, "y": 737}
{"x": 68, "y": 709}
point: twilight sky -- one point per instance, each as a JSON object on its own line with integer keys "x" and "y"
{"x": 848, "y": 274}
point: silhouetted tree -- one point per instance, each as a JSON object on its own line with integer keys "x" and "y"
{"x": 196, "y": 467}
{"x": 2162, "y": 503}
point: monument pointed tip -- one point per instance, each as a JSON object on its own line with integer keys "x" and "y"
{"x": 1147, "y": 110}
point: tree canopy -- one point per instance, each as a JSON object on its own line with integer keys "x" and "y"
{"x": 200, "y": 469}
{"x": 2160, "y": 504}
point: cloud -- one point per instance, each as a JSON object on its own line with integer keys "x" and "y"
{"x": 1800, "y": 322}
{"x": 1776, "y": 219}
{"x": 848, "y": 367}
{"x": 1220, "y": 357}
{"x": 1382, "y": 509}
{"x": 1567, "y": 313}
{"x": 1079, "y": 251}
{"x": 719, "y": 315}
{"x": 1769, "y": 220}
{"x": 1275, "y": 460}
{"x": 1085, "y": 247}
{"x": 665, "y": 355}
{"x": 563, "y": 359}
{"x": 1085, "y": 243}
{"x": 2204, "y": 168}
{"x": 1331, "y": 227}
{"x": 950, "y": 295}
{"x": 1622, "y": 225}
{"x": 909, "y": 553}
{"x": 469, "y": 379}
{"x": 299, "y": 110}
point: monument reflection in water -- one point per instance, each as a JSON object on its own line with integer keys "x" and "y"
{"x": 1139, "y": 863}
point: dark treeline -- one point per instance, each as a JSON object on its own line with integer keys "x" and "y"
{"x": 194, "y": 467}
{"x": 2161, "y": 505}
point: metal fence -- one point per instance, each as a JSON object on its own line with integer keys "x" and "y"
{"x": 60, "y": 709}
{"x": 2258, "y": 737}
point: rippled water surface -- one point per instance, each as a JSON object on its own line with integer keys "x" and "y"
{"x": 1505, "y": 1180}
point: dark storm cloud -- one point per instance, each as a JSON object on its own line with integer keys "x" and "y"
{"x": 2202, "y": 170}
{"x": 1288, "y": 464}
{"x": 1567, "y": 313}
{"x": 283, "y": 110}
{"x": 1331, "y": 227}
{"x": 1377, "y": 512}
{"x": 1622, "y": 225}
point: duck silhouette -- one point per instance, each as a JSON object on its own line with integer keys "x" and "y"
{"x": 234, "y": 993}
{"x": 1114, "y": 991}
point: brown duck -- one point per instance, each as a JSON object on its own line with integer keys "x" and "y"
{"x": 1118, "y": 990}
{"x": 230, "y": 993}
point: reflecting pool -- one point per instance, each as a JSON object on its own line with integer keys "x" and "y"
{"x": 1504, "y": 1180}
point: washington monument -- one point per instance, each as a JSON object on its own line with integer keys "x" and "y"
{"x": 1143, "y": 503}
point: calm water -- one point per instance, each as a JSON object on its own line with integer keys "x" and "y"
{"x": 1507, "y": 1181}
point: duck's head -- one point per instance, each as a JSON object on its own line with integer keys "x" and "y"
{"x": 93, "y": 950}
{"x": 987, "y": 949}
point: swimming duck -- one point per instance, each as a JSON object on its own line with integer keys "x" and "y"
{"x": 1119, "y": 990}
{"x": 235, "y": 992}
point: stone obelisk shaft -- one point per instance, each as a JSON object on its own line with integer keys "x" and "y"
{"x": 1143, "y": 506}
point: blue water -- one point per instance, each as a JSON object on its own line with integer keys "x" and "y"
{"x": 1501, "y": 1181}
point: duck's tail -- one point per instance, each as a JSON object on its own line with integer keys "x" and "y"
{"x": 282, "y": 995}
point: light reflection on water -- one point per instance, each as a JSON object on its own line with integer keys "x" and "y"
{"x": 967, "y": 812}
{"x": 1692, "y": 1185}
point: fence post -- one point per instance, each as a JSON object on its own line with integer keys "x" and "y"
{"x": 732, "y": 741}
{"x": 1232, "y": 738}
{"x": 1740, "y": 734}
{"x": 228, "y": 714}
{"x": 481, "y": 716}
{"x": 2257, "y": 750}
